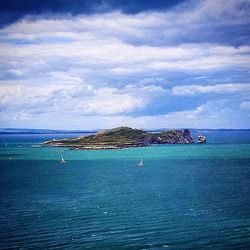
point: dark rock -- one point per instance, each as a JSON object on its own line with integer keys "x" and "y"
{"x": 201, "y": 139}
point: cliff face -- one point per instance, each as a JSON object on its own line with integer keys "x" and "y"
{"x": 173, "y": 137}
{"x": 124, "y": 137}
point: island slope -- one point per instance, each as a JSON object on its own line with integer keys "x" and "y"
{"x": 124, "y": 137}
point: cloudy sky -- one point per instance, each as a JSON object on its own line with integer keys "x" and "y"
{"x": 88, "y": 64}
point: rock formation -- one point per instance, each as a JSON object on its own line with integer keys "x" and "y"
{"x": 201, "y": 139}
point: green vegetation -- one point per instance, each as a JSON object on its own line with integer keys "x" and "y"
{"x": 123, "y": 137}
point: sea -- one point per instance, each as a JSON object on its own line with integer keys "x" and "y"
{"x": 184, "y": 197}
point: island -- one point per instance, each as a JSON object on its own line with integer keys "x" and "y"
{"x": 123, "y": 137}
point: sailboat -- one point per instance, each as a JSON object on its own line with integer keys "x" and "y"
{"x": 62, "y": 160}
{"x": 141, "y": 163}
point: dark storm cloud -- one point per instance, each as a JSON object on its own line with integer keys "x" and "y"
{"x": 13, "y": 10}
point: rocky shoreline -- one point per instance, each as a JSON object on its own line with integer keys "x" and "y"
{"x": 123, "y": 137}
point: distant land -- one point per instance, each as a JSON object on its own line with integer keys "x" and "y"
{"x": 124, "y": 137}
{"x": 56, "y": 131}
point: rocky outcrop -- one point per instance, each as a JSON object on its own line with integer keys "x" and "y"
{"x": 124, "y": 137}
{"x": 201, "y": 139}
{"x": 171, "y": 137}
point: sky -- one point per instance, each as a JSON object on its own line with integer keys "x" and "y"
{"x": 90, "y": 64}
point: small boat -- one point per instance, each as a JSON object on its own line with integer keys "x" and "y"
{"x": 141, "y": 163}
{"x": 62, "y": 160}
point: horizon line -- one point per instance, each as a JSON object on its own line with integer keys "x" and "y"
{"x": 98, "y": 129}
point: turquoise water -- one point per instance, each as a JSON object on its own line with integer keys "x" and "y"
{"x": 185, "y": 196}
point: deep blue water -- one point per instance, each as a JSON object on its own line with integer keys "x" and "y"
{"x": 185, "y": 197}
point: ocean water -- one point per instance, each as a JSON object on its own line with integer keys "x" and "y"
{"x": 185, "y": 196}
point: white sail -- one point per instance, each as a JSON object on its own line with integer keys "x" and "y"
{"x": 141, "y": 163}
{"x": 62, "y": 160}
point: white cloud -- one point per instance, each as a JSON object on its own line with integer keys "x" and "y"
{"x": 113, "y": 59}
{"x": 81, "y": 98}
{"x": 216, "y": 114}
{"x": 192, "y": 15}
{"x": 217, "y": 88}
{"x": 101, "y": 69}
{"x": 245, "y": 105}
{"x": 122, "y": 45}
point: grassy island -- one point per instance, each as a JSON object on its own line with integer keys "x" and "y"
{"x": 123, "y": 137}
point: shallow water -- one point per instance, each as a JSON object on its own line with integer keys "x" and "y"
{"x": 185, "y": 196}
